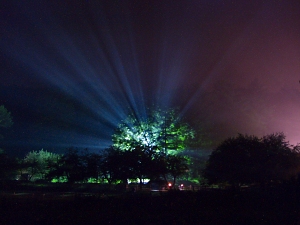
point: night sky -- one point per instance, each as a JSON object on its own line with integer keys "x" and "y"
{"x": 71, "y": 71}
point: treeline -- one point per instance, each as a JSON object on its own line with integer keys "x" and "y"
{"x": 110, "y": 166}
{"x": 241, "y": 160}
{"x": 247, "y": 159}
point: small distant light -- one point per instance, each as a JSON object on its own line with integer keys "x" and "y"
{"x": 169, "y": 184}
{"x": 181, "y": 185}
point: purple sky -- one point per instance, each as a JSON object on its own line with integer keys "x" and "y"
{"x": 72, "y": 70}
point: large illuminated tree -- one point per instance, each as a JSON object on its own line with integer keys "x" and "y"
{"x": 160, "y": 130}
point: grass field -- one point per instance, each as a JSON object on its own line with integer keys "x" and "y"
{"x": 273, "y": 206}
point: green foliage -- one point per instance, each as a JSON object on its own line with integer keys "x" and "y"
{"x": 39, "y": 163}
{"x": 249, "y": 159}
{"x": 196, "y": 161}
{"x": 62, "y": 179}
{"x": 162, "y": 130}
{"x": 5, "y": 118}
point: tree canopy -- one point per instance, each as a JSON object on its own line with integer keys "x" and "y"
{"x": 39, "y": 163}
{"x": 249, "y": 159}
{"x": 5, "y": 118}
{"x": 141, "y": 163}
{"x": 76, "y": 166}
{"x": 162, "y": 130}
{"x": 8, "y": 166}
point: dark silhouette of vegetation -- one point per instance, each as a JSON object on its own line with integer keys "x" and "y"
{"x": 5, "y": 117}
{"x": 240, "y": 160}
{"x": 142, "y": 153}
{"x": 8, "y": 166}
{"x": 77, "y": 166}
{"x": 236, "y": 161}
{"x": 249, "y": 159}
{"x": 176, "y": 166}
{"x": 115, "y": 165}
{"x": 140, "y": 163}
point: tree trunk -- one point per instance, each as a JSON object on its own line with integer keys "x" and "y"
{"x": 174, "y": 182}
{"x": 141, "y": 183}
{"x": 165, "y": 178}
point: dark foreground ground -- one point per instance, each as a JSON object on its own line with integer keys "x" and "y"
{"x": 279, "y": 205}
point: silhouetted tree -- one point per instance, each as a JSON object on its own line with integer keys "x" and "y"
{"x": 176, "y": 166}
{"x": 159, "y": 167}
{"x": 111, "y": 158}
{"x": 5, "y": 117}
{"x": 138, "y": 163}
{"x": 249, "y": 159}
{"x": 124, "y": 165}
{"x": 118, "y": 165}
{"x": 72, "y": 165}
{"x": 8, "y": 166}
{"x": 76, "y": 166}
{"x": 92, "y": 164}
